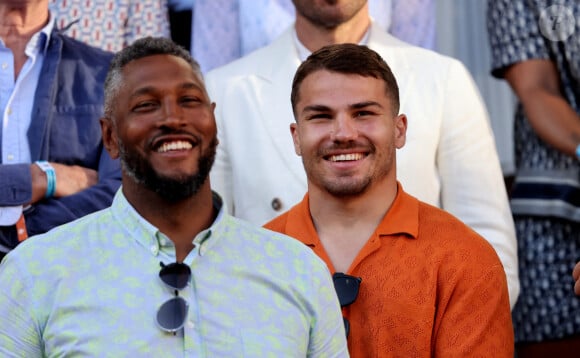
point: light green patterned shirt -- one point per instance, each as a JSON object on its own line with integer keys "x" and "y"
{"x": 91, "y": 288}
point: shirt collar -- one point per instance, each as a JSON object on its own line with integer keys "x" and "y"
{"x": 149, "y": 236}
{"x": 39, "y": 41}
{"x": 402, "y": 218}
{"x": 46, "y": 33}
{"x": 202, "y": 240}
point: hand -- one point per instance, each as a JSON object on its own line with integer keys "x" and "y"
{"x": 576, "y": 275}
{"x": 70, "y": 179}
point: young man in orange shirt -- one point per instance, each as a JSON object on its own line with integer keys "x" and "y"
{"x": 413, "y": 280}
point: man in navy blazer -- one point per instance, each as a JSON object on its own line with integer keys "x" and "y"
{"x": 53, "y": 167}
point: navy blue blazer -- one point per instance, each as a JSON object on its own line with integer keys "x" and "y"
{"x": 64, "y": 129}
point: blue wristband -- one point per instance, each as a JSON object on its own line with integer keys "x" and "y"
{"x": 578, "y": 152}
{"x": 50, "y": 177}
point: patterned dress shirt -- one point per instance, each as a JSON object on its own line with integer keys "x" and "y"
{"x": 91, "y": 288}
{"x": 111, "y": 24}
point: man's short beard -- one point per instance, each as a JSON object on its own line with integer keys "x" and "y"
{"x": 351, "y": 189}
{"x": 169, "y": 188}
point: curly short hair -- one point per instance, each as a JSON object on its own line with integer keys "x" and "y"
{"x": 144, "y": 47}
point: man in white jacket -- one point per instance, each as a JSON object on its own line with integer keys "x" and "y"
{"x": 449, "y": 161}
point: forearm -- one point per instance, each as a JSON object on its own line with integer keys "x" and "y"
{"x": 553, "y": 120}
{"x": 537, "y": 85}
{"x": 57, "y": 211}
{"x": 22, "y": 184}
{"x": 51, "y": 212}
{"x": 39, "y": 183}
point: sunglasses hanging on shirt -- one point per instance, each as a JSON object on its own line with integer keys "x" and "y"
{"x": 172, "y": 314}
{"x": 346, "y": 287}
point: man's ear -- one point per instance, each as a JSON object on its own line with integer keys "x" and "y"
{"x": 109, "y": 137}
{"x": 400, "y": 131}
{"x": 295, "y": 138}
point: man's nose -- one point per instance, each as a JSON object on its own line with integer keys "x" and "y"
{"x": 344, "y": 128}
{"x": 172, "y": 113}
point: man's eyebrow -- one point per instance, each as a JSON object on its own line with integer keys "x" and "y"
{"x": 151, "y": 89}
{"x": 191, "y": 85}
{"x": 365, "y": 104}
{"x": 142, "y": 90}
{"x": 323, "y": 108}
{"x": 316, "y": 108}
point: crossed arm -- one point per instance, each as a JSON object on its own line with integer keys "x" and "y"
{"x": 71, "y": 179}
{"x": 79, "y": 191}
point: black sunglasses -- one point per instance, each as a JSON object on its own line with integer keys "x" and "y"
{"x": 346, "y": 287}
{"x": 172, "y": 314}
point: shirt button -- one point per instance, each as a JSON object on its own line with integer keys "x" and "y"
{"x": 190, "y": 324}
{"x": 276, "y": 204}
{"x": 9, "y": 111}
{"x": 4, "y": 66}
{"x": 154, "y": 250}
{"x": 10, "y": 157}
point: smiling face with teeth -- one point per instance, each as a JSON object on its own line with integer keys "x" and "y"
{"x": 346, "y": 132}
{"x": 162, "y": 127}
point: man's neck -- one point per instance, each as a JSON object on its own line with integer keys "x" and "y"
{"x": 314, "y": 37}
{"x": 342, "y": 212}
{"x": 180, "y": 221}
{"x": 20, "y": 22}
{"x": 344, "y": 225}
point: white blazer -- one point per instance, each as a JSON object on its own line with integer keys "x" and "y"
{"x": 449, "y": 159}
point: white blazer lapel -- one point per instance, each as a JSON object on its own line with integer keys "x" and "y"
{"x": 388, "y": 47}
{"x": 274, "y": 101}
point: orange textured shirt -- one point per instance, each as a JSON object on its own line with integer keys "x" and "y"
{"x": 431, "y": 286}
